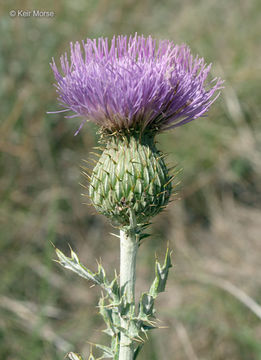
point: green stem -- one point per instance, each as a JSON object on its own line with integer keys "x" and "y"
{"x": 129, "y": 247}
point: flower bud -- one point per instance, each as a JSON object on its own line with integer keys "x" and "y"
{"x": 131, "y": 173}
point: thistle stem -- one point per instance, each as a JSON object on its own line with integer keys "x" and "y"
{"x": 129, "y": 247}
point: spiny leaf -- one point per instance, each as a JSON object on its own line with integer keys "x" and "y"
{"x": 115, "y": 346}
{"x": 124, "y": 307}
{"x": 161, "y": 273}
{"x": 144, "y": 236}
{"x": 99, "y": 278}
{"x": 74, "y": 264}
{"x": 115, "y": 287}
{"x": 146, "y": 306}
{"x": 109, "y": 318}
{"x": 146, "y": 327}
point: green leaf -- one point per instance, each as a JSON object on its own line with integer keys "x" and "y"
{"x": 109, "y": 317}
{"x": 144, "y": 236}
{"x": 115, "y": 288}
{"x": 125, "y": 308}
{"x": 115, "y": 346}
{"x": 161, "y": 273}
{"x": 74, "y": 265}
{"x": 146, "y": 306}
{"x": 99, "y": 278}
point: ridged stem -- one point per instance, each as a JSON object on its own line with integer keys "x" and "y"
{"x": 129, "y": 247}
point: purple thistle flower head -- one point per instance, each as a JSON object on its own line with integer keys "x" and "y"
{"x": 133, "y": 83}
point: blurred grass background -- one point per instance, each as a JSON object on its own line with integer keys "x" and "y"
{"x": 211, "y": 305}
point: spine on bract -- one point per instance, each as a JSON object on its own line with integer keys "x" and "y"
{"x": 130, "y": 174}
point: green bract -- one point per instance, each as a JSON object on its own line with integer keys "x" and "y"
{"x": 130, "y": 173}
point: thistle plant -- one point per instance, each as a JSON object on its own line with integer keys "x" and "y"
{"x": 133, "y": 89}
